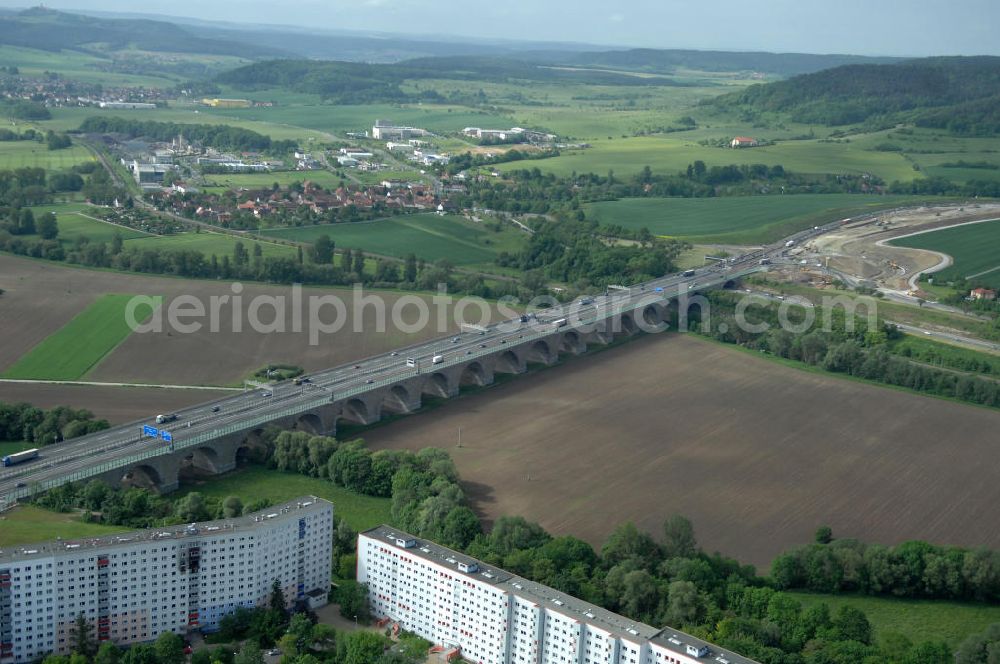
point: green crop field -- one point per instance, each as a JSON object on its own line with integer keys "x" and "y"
{"x": 918, "y": 620}
{"x": 71, "y": 351}
{"x": 209, "y": 243}
{"x": 735, "y": 219}
{"x": 342, "y": 118}
{"x": 429, "y": 236}
{"x": 974, "y": 247}
{"x": 78, "y": 66}
{"x": 21, "y": 154}
{"x": 254, "y": 482}
{"x": 64, "y": 119}
{"x": 27, "y": 524}
{"x": 628, "y": 156}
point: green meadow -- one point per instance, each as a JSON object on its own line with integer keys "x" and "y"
{"x": 917, "y": 620}
{"x": 666, "y": 155}
{"x": 255, "y": 482}
{"x": 23, "y": 154}
{"x": 27, "y": 524}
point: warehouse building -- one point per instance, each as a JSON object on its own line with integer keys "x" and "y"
{"x": 134, "y": 586}
{"x": 487, "y": 615}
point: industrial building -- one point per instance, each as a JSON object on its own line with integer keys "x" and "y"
{"x": 487, "y": 615}
{"x": 126, "y": 105}
{"x": 134, "y": 586}
{"x": 227, "y": 103}
{"x": 385, "y": 130}
{"x": 148, "y": 175}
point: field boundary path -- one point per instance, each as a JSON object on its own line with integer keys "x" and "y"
{"x": 92, "y": 383}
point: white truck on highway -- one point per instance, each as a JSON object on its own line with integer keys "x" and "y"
{"x": 20, "y": 457}
{"x": 437, "y": 359}
{"x": 790, "y": 243}
{"x": 163, "y": 419}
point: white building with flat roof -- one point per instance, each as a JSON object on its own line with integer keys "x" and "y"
{"x": 385, "y": 130}
{"x": 134, "y": 586}
{"x": 494, "y": 617}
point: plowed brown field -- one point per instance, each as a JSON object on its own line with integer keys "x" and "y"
{"x": 757, "y": 454}
{"x": 40, "y": 297}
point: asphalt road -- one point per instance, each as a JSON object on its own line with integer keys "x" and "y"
{"x": 57, "y": 463}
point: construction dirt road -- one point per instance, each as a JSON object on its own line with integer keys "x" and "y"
{"x": 860, "y": 249}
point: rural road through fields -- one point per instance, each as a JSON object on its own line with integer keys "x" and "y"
{"x": 97, "y": 384}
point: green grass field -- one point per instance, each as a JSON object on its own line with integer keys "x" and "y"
{"x": 27, "y": 524}
{"x": 70, "y": 118}
{"x": 79, "y": 220}
{"x": 209, "y": 243}
{"x": 735, "y": 219}
{"x": 974, "y": 247}
{"x": 255, "y": 482}
{"x": 21, "y": 154}
{"x": 72, "y": 226}
{"x": 918, "y": 620}
{"x": 665, "y": 155}
{"x": 71, "y": 351}
{"x": 343, "y": 118}
{"x": 427, "y": 235}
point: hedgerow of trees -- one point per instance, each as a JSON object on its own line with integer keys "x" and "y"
{"x": 24, "y": 422}
{"x": 222, "y": 137}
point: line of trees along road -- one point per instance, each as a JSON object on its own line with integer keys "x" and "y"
{"x": 862, "y": 353}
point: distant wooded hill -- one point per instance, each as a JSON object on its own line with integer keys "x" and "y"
{"x": 51, "y": 30}
{"x": 357, "y": 83}
{"x": 667, "y": 61}
{"x": 960, "y": 94}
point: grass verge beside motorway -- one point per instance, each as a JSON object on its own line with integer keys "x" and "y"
{"x": 70, "y": 352}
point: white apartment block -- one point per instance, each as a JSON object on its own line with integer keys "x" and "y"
{"x": 133, "y": 586}
{"x": 494, "y": 617}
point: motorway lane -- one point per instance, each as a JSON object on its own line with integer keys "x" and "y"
{"x": 949, "y": 337}
{"x": 124, "y": 441}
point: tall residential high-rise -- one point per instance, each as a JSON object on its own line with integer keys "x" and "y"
{"x": 494, "y": 617}
{"x": 133, "y": 586}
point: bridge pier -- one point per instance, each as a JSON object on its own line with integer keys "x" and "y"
{"x": 510, "y": 362}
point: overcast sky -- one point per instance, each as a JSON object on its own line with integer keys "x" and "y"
{"x": 868, "y": 27}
